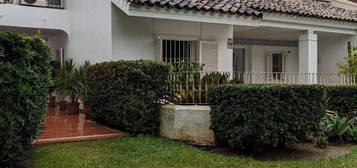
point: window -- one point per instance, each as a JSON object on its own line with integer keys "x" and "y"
{"x": 175, "y": 52}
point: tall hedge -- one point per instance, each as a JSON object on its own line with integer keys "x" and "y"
{"x": 254, "y": 117}
{"x": 24, "y": 89}
{"x": 342, "y": 99}
{"x": 126, "y": 94}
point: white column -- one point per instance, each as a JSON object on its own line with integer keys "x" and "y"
{"x": 308, "y": 56}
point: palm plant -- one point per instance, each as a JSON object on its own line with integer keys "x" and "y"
{"x": 84, "y": 83}
{"x": 337, "y": 127}
{"x": 64, "y": 77}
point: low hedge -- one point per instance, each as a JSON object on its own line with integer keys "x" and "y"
{"x": 342, "y": 99}
{"x": 126, "y": 94}
{"x": 24, "y": 89}
{"x": 254, "y": 117}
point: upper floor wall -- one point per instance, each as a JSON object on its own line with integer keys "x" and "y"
{"x": 58, "y": 4}
{"x": 41, "y": 14}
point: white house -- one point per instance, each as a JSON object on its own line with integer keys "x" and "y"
{"x": 252, "y": 36}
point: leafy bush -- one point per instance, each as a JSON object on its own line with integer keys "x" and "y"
{"x": 126, "y": 94}
{"x": 252, "y": 117}
{"x": 342, "y": 99}
{"x": 24, "y": 90}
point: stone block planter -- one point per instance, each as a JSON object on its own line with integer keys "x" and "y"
{"x": 187, "y": 123}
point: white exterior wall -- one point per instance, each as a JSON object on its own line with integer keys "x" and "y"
{"x": 34, "y": 17}
{"x": 90, "y": 33}
{"x": 258, "y": 55}
{"x": 332, "y": 50}
{"x": 132, "y": 37}
{"x": 136, "y": 37}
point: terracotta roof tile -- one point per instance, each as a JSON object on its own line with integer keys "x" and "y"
{"x": 306, "y": 8}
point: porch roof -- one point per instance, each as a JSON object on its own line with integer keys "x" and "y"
{"x": 306, "y": 8}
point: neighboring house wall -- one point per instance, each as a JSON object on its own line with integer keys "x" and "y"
{"x": 91, "y": 31}
{"x": 136, "y": 37}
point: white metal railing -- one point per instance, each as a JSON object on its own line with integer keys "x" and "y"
{"x": 192, "y": 87}
{"x": 58, "y": 4}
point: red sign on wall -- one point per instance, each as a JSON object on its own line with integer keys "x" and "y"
{"x": 230, "y": 43}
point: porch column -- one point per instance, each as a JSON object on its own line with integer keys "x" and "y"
{"x": 308, "y": 56}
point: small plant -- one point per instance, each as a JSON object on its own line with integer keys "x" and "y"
{"x": 337, "y": 128}
{"x": 352, "y": 132}
{"x": 321, "y": 142}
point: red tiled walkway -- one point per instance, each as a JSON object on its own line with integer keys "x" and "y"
{"x": 61, "y": 127}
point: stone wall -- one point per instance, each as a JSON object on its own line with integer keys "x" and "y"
{"x": 187, "y": 123}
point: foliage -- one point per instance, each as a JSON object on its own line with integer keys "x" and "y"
{"x": 321, "y": 142}
{"x": 149, "y": 152}
{"x": 83, "y": 79}
{"x": 63, "y": 78}
{"x": 71, "y": 81}
{"x": 352, "y": 132}
{"x": 350, "y": 67}
{"x": 252, "y": 117}
{"x": 342, "y": 99}
{"x": 55, "y": 68}
{"x": 24, "y": 89}
{"x": 337, "y": 128}
{"x": 126, "y": 94}
{"x": 189, "y": 66}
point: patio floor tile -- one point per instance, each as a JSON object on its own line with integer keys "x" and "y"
{"x": 61, "y": 127}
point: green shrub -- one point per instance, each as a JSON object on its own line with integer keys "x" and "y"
{"x": 252, "y": 117}
{"x": 126, "y": 94}
{"x": 342, "y": 99}
{"x": 24, "y": 90}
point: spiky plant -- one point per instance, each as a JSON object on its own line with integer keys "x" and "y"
{"x": 337, "y": 128}
{"x": 352, "y": 132}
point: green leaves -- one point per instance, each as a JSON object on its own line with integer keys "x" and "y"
{"x": 352, "y": 132}
{"x": 24, "y": 88}
{"x": 342, "y": 99}
{"x": 337, "y": 127}
{"x": 126, "y": 94}
{"x": 254, "y": 117}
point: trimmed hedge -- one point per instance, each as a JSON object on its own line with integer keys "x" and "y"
{"x": 126, "y": 94}
{"x": 342, "y": 99}
{"x": 24, "y": 90}
{"x": 254, "y": 117}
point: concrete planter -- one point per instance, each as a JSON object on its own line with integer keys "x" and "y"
{"x": 187, "y": 123}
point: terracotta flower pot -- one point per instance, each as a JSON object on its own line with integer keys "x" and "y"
{"x": 52, "y": 102}
{"x": 73, "y": 108}
{"x": 87, "y": 108}
{"x": 63, "y": 105}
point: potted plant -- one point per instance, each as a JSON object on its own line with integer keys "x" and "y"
{"x": 84, "y": 95}
{"x": 75, "y": 87}
{"x": 55, "y": 68}
{"x": 63, "y": 82}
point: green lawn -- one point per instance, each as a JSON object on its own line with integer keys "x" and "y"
{"x": 156, "y": 153}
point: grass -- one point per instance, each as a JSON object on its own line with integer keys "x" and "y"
{"x": 148, "y": 152}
